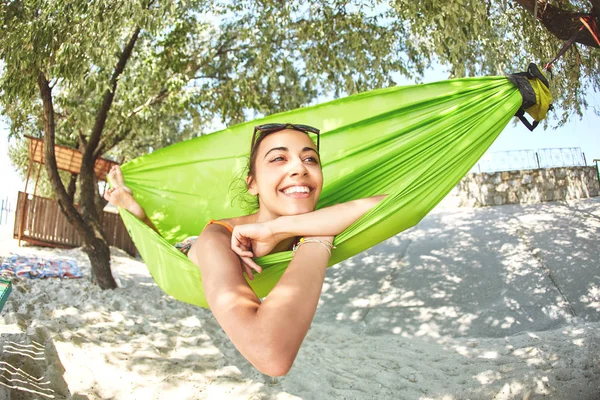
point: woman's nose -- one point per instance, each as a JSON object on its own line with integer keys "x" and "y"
{"x": 297, "y": 167}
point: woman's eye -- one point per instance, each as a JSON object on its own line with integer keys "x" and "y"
{"x": 311, "y": 159}
{"x": 278, "y": 158}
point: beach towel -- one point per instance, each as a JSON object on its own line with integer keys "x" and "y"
{"x": 39, "y": 267}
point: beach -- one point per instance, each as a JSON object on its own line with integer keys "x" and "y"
{"x": 472, "y": 303}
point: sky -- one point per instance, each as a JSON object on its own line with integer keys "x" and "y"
{"x": 583, "y": 133}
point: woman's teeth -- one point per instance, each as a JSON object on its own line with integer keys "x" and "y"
{"x": 297, "y": 189}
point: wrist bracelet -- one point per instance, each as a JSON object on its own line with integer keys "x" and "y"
{"x": 327, "y": 245}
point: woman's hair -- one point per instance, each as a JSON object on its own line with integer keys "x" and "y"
{"x": 239, "y": 186}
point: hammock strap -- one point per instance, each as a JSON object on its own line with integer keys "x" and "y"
{"x": 586, "y": 22}
{"x": 535, "y": 91}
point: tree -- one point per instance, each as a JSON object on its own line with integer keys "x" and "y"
{"x": 498, "y": 37}
{"x": 120, "y": 77}
{"x": 97, "y": 73}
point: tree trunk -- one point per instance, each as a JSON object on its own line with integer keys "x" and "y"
{"x": 72, "y": 188}
{"x": 99, "y": 255}
{"x": 85, "y": 222}
{"x": 97, "y": 249}
{"x": 562, "y": 23}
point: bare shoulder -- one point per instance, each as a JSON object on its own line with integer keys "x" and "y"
{"x": 241, "y": 220}
{"x": 213, "y": 238}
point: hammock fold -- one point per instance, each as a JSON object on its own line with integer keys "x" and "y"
{"x": 413, "y": 143}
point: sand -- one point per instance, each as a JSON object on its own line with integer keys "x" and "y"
{"x": 492, "y": 303}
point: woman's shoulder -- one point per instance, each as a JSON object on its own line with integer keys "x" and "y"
{"x": 215, "y": 235}
{"x": 227, "y": 223}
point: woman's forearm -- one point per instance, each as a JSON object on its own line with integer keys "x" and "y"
{"x": 329, "y": 221}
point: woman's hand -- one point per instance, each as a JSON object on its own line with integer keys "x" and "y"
{"x": 253, "y": 240}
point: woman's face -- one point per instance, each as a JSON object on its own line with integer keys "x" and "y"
{"x": 288, "y": 178}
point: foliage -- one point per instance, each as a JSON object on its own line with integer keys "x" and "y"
{"x": 500, "y": 37}
{"x": 197, "y": 64}
{"x": 123, "y": 77}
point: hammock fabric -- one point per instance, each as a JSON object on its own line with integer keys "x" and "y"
{"x": 413, "y": 143}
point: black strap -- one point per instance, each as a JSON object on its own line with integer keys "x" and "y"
{"x": 521, "y": 115}
{"x": 519, "y": 79}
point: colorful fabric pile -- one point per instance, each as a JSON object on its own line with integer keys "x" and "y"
{"x": 37, "y": 267}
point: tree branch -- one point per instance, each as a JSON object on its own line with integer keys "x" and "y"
{"x": 86, "y": 174}
{"x": 109, "y": 94}
{"x": 64, "y": 201}
{"x": 82, "y": 141}
{"x": 72, "y": 187}
{"x": 561, "y": 23}
{"x": 111, "y": 140}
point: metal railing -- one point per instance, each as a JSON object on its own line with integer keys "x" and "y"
{"x": 6, "y": 211}
{"x": 530, "y": 159}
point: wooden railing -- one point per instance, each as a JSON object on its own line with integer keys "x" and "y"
{"x": 41, "y": 222}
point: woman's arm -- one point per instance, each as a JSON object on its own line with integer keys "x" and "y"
{"x": 270, "y": 333}
{"x": 328, "y": 221}
{"x": 259, "y": 239}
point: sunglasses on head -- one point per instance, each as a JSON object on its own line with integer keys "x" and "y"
{"x": 266, "y": 129}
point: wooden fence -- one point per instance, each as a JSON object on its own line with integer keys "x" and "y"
{"x": 42, "y": 223}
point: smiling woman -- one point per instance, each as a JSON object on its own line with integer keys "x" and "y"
{"x": 285, "y": 175}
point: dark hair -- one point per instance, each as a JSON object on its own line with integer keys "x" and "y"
{"x": 239, "y": 186}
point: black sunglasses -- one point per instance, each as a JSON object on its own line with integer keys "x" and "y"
{"x": 266, "y": 129}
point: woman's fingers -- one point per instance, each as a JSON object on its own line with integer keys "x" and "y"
{"x": 242, "y": 252}
{"x": 250, "y": 263}
{"x": 242, "y": 245}
{"x": 248, "y": 271}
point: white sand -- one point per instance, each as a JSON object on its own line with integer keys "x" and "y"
{"x": 495, "y": 303}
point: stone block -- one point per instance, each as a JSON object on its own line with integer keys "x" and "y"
{"x": 527, "y": 179}
{"x": 560, "y": 172}
{"x": 558, "y": 195}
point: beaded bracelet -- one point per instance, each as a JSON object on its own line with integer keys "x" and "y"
{"x": 327, "y": 245}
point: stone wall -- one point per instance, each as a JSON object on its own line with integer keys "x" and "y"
{"x": 524, "y": 186}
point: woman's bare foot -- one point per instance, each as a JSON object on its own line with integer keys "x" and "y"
{"x": 115, "y": 177}
{"x": 122, "y": 197}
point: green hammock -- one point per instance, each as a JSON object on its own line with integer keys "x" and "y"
{"x": 414, "y": 143}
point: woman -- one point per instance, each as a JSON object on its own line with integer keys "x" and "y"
{"x": 284, "y": 173}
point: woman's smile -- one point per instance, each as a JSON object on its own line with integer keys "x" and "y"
{"x": 297, "y": 191}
